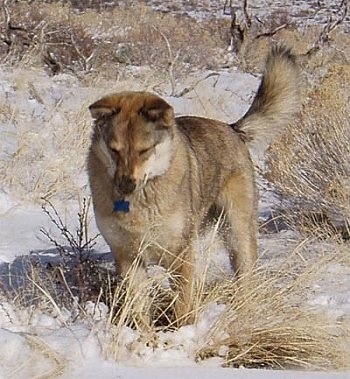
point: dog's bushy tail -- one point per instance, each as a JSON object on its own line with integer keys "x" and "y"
{"x": 275, "y": 102}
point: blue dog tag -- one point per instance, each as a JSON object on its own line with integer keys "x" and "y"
{"x": 121, "y": 206}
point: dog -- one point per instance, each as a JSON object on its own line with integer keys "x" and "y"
{"x": 152, "y": 171}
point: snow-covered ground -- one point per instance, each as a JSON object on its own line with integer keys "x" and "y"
{"x": 41, "y": 119}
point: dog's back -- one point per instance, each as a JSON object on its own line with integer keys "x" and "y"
{"x": 214, "y": 151}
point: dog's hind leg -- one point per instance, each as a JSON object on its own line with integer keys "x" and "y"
{"x": 239, "y": 200}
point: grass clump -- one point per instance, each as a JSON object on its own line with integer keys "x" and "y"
{"x": 261, "y": 321}
{"x": 266, "y": 324}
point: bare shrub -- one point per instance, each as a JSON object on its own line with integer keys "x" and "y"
{"x": 79, "y": 242}
{"x": 251, "y": 35}
{"x": 66, "y": 276}
{"x": 141, "y": 29}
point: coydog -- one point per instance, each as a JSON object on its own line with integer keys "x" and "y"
{"x": 151, "y": 171}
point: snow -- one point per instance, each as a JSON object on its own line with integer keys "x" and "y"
{"x": 16, "y": 232}
{"x": 38, "y": 342}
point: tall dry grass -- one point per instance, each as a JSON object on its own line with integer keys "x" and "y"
{"x": 267, "y": 322}
{"x": 311, "y": 163}
{"x": 263, "y": 320}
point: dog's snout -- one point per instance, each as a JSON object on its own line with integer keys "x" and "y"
{"x": 126, "y": 185}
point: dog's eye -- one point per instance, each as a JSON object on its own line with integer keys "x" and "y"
{"x": 145, "y": 152}
{"x": 114, "y": 150}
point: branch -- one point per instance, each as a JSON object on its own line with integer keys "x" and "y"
{"x": 227, "y": 3}
{"x": 247, "y": 18}
{"x": 272, "y": 32}
{"x": 7, "y": 24}
{"x": 329, "y": 27}
{"x": 84, "y": 60}
{"x": 171, "y": 62}
{"x": 238, "y": 33}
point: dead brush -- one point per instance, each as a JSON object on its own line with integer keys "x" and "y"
{"x": 79, "y": 242}
{"x": 79, "y": 272}
{"x": 66, "y": 277}
{"x": 105, "y": 37}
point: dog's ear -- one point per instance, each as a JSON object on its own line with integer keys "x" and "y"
{"x": 104, "y": 107}
{"x": 158, "y": 111}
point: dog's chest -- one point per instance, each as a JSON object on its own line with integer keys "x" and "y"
{"x": 145, "y": 224}
{"x": 143, "y": 219}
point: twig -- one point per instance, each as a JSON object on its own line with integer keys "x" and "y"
{"x": 7, "y": 26}
{"x": 78, "y": 243}
{"x": 85, "y": 60}
{"x": 238, "y": 33}
{"x": 272, "y": 32}
{"x": 247, "y": 18}
{"x": 171, "y": 63}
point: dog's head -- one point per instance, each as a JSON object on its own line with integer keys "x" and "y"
{"x": 133, "y": 137}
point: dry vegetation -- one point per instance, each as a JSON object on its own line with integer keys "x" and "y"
{"x": 40, "y": 167}
{"x": 266, "y": 322}
{"x": 102, "y": 42}
{"x": 311, "y": 163}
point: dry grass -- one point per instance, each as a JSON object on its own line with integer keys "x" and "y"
{"x": 36, "y": 141}
{"x": 267, "y": 322}
{"x": 264, "y": 320}
{"x": 311, "y": 163}
{"x": 102, "y": 42}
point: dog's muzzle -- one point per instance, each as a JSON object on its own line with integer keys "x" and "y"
{"x": 125, "y": 185}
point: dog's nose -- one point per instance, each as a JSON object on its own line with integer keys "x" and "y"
{"x": 126, "y": 185}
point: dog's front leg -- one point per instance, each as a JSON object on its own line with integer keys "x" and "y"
{"x": 137, "y": 303}
{"x": 183, "y": 271}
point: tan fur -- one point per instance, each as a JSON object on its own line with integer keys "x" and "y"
{"x": 275, "y": 102}
{"x": 179, "y": 172}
